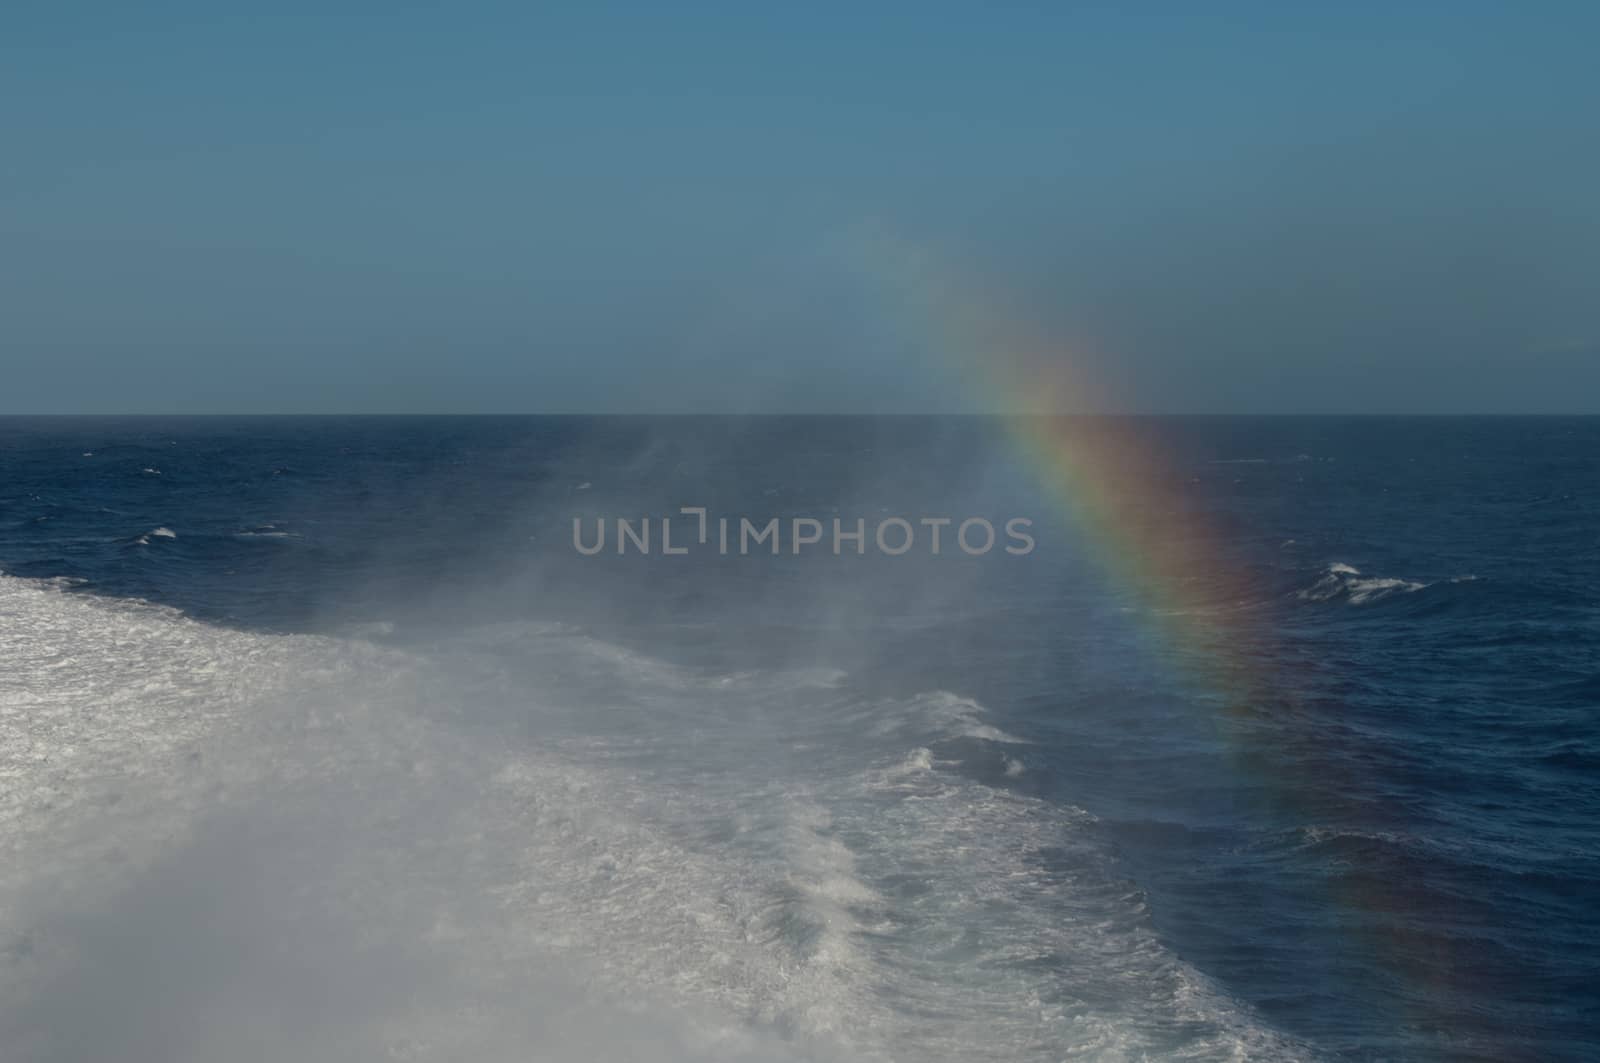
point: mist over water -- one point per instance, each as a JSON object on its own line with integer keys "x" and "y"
{"x": 319, "y": 740}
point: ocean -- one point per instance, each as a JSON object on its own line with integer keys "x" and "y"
{"x": 584, "y": 738}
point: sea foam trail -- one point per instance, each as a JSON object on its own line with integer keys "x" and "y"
{"x": 216, "y": 844}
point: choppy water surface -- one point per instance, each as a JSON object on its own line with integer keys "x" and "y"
{"x": 319, "y": 740}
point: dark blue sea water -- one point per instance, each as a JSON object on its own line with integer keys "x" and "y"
{"x": 319, "y": 739}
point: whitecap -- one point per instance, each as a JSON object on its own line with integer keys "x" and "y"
{"x": 1340, "y": 580}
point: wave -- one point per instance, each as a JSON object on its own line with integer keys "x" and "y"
{"x": 1296, "y": 459}
{"x": 1345, "y": 582}
{"x": 155, "y": 533}
{"x": 945, "y": 714}
{"x": 266, "y": 531}
{"x": 532, "y": 842}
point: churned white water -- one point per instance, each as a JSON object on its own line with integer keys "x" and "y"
{"x": 525, "y": 843}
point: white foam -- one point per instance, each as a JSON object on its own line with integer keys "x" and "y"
{"x": 425, "y": 856}
{"x": 1345, "y": 581}
{"x": 215, "y": 793}
{"x": 948, "y": 715}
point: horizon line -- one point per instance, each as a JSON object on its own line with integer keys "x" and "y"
{"x": 729, "y": 414}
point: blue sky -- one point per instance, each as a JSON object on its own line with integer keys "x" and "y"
{"x": 526, "y": 207}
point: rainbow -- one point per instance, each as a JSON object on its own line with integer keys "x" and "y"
{"x": 1109, "y": 474}
{"x": 1140, "y": 516}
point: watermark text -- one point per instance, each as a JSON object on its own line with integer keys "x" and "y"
{"x": 695, "y": 530}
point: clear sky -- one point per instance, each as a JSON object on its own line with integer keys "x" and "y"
{"x": 525, "y": 207}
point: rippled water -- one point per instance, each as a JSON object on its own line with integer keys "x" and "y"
{"x": 318, "y": 739}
